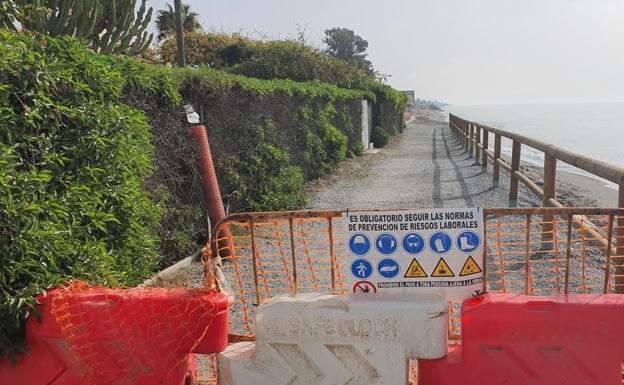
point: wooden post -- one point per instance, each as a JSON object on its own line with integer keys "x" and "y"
{"x": 471, "y": 139}
{"x": 515, "y": 167}
{"x": 484, "y": 160}
{"x": 550, "y": 179}
{"x": 477, "y": 153}
{"x": 497, "y": 155}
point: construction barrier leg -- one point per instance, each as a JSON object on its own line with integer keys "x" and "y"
{"x": 99, "y": 336}
{"x": 574, "y": 339}
{"x": 328, "y": 339}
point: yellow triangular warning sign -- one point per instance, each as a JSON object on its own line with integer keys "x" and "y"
{"x": 415, "y": 270}
{"x": 442, "y": 269}
{"x": 470, "y": 267}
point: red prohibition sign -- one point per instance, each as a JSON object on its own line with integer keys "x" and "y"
{"x": 364, "y": 287}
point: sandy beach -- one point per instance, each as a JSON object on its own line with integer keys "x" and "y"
{"x": 582, "y": 190}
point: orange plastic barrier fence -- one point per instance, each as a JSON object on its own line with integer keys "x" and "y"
{"x": 100, "y": 336}
{"x": 534, "y": 251}
{"x": 515, "y": 339}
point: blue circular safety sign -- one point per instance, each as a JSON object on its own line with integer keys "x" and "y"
{"x": 359, "y": 244}
{"x": 413, "y": 243}
{"x": 386, "y": 243}
{"x": 361, "y": 268}
{"x": 388, "y": 268}
{"x": 440, "y": 242}
{"x": 468, "y": 241}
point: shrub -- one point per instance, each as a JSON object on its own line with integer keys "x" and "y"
{"x": 212, "y": 50}
{"x": 276, "y": 184}
{"x": 379, "y": 137}
{"x": 72, "y": 162}
{"x": 357, "y": 150}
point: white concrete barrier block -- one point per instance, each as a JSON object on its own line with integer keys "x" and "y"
{"x": 328, "y": 339}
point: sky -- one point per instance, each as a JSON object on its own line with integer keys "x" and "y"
{"x": 462, "y": 52}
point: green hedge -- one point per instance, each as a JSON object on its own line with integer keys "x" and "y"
{"x": 85, "y": 141}
{"x": 72, "y": 164}
{"x": 272, "y": 133}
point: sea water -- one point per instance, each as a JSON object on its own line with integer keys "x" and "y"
{"x": 591, "y": 129}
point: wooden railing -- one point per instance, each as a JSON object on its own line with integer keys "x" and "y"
{"x": 476, "y": 138}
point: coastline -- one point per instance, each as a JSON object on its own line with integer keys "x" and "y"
{"x": 580, "y": 190}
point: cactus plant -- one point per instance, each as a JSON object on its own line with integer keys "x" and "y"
{"x": 7, "y": 15}
{"x": 110, "y": 26}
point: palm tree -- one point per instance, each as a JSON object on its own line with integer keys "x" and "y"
{"x": 165, "y": 22}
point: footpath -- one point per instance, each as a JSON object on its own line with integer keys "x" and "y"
{"x": 423, "y": 167}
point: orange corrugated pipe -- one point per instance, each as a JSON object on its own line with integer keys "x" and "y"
{"x": 212, "y": 196}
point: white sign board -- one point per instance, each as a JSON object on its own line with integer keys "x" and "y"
{"x": 436, "y": 251}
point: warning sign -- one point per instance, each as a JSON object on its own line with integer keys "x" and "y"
{"x": 415, "y": 270}
{"x": 470, "y": 267}
{"x": 364, "y": 287}
{"x": 442, "y": 269}
{"x": 422, "y": 250}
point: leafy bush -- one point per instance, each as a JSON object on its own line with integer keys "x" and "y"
{"x": 284, "y": 59}
{"x": 379, "y": 137}
{"x": 357, "y": 150}
{"x": 294, "y": 61}
{"x": 276, "y": 184}
{"x": 216, "y": 50}
{"x": 72, "y": 162}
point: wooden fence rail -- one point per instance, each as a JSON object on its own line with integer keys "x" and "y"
{"x": 475, "y": 137}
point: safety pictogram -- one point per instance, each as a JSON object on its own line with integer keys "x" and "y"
{"x": 415, "y": 270}
{"x": 364, "y": 287}
{"x": 388, "y": 268}
{"x": 442, "y": 269}
{"x": 440, "y": 242}
{"x": 470, "y": 267}
{"x": 359, "y": 244}
{"x": 468, "y": 241}
{"x": 361, "y": 268}
{"x": 413, "y": 243}
{"x": 386, "y": 243}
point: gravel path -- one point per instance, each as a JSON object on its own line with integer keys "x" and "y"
{"x": 423, "y": 167}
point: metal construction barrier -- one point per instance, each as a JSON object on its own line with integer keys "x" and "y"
{"x": 530, "y": 251}
{"x": 148, "y": 335}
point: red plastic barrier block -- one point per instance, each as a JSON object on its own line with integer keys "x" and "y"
{"x": 133, "y": 336}
{"x": 574, "y": 339}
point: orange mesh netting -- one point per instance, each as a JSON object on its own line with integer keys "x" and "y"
{"x": 138, "y": 335}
